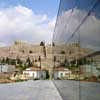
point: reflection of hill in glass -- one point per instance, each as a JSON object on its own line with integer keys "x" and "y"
{"x": 77, "y": 37}
{"x": 74, "y": 20}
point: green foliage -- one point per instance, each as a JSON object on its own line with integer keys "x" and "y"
{"x": 13, "y": 62}
{"x": 47, "y": 74}
{"x": 39, "y": 58}
{"x": 53, "y": 44}
{"x": 3, "y": 61}
{"x": 35, "y": 60}
{"x": 18, "y": 61}
{"x": 19, "y": 80}
{"x": 86, "y": 78}
{"x": 36, "y": 79}
{"x": 7, "y": 60}
{"x": 22, "y": 67}
{"x": 42, "y": 43}
{"x": 28, "y": 62}
{"x": 62, "y": 52}
{"x": 23, "y": 51}
{"x": 99, "y": 77}
{"x": 30, "y": 51}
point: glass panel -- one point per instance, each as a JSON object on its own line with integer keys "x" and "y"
{"x": 76, "y": 48}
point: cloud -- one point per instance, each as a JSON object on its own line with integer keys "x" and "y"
{"x": 2, "y": 44}
{"x": 89, "y": 30}
{"x": 21, "y": 23}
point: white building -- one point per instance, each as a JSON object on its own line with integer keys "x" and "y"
{"x": 34, "y": 73}
{"x": 7, "y": 68}
{"x": 90, "y": 70}
{"x": 61, "y": 72}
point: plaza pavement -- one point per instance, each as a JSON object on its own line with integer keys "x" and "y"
{"x": 30, "y": 90}
{"x": 75, "y": 90}
{"x": 50, "y": 90}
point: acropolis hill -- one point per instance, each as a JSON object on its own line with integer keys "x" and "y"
{"x": 23, "y": 50}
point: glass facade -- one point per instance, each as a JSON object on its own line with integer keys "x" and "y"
{"x": 76, "y": 46}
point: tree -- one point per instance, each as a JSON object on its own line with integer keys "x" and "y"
{"x": 30, "y": 51}
{"x": 62, "y": 52}
{"x": 44, "y": 48}
{"x": 54, "y": 60}
{"x": 13, "y": 62}
{"x": 70, "y": 52}
{"x": 39, "y": 60}
{"x": 53, "y": 44}
{"x": 3, "y": 61}
{"x": 44, "y": 51}
{"x": 42, "y": 43}
{"x": 47, "y": 74}
{"x": 7, "y": 60}
{"x": 18, "y": 61}
{"x": 29, "y": 63}
{"x": 23, "y": 51}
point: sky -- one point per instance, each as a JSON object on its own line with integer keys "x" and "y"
{"x": 71, "y": 15}
{"x": 27, "y": 20}
{"x": 34, "y": 21}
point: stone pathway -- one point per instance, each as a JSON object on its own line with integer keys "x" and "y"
{"x": 50, "y": 90}
{"x": 75, "y": 90}
{"x": 31, "y": 90}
